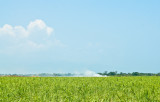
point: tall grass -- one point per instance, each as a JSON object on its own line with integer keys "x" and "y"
{"x": 79, "y": 89}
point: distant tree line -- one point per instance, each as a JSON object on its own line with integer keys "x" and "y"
{"x": 106, "y": 73}
{"x": 39, "y": 75}
{"x": 115, "y": 73}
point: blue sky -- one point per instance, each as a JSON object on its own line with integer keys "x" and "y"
{"x": 76, "y": 35}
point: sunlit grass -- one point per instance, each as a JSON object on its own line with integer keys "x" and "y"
{"x": 79, "y": 89}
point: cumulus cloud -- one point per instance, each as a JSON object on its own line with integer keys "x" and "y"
{"x": 39, "y": 25}
{"x": 36, "y": 35}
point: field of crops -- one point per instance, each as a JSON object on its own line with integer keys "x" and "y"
{"x": 79, "y": 89}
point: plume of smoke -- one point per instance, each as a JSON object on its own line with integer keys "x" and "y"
{"x": 87, "y": 73}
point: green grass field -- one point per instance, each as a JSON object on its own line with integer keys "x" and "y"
{"x": 79, "y": 89}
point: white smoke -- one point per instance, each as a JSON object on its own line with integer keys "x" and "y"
{"x": 87, "y": 73}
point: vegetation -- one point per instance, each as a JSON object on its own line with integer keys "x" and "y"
{"x": 39, "y": 75}
{"x": 115, "y": 73}
{"x": 112, "y": 73}
{"x": 80, "y": 89}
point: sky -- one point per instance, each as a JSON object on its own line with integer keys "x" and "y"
{"x": 61, "y": 36}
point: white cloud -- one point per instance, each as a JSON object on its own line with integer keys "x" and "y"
{"x": 7, "y": 30}
{"x": 49, "y": 30}
{"x": 39, "y": 25}
{"x": 36, "y": 35}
